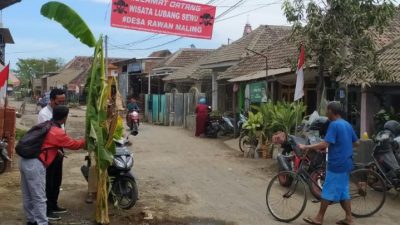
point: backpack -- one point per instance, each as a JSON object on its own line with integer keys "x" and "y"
{"x": 30, "y": 145}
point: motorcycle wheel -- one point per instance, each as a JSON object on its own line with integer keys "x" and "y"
{"x": 3, "y": 165}
{"x": 124, "y": 192}
{"x": 130, "y": 125}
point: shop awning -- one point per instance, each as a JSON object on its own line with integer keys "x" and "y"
{"x": 6, "y": 3}
{"x": 260, "y": 75}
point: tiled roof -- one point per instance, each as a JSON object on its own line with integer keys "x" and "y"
{"x": 161, "y": 53}
{"x": 390, "y": 33}
{"x": 388, "y": 53}
{"x": 191, "y": 71}
{"x": 183, "y": 57}
{"x": 281, "y": 54}
{"x": 257, "y": 40}
{"x": 389, "y": 57}
{"x": 75, "y": 71}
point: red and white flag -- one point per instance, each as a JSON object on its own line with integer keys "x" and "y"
{"x": 299, "y": 91}
{"x": 3, "y": 84}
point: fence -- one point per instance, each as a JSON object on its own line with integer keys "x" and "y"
{"x": 172, "y": 109}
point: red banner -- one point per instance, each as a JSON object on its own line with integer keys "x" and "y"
{"x": 175, "y": 17}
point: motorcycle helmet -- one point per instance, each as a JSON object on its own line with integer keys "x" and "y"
{"x": 320, "y": 124}
{"x": 393, "y": 126}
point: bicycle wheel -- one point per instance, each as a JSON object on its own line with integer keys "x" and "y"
{"x": 317, "y": 181}
{"x": 366, "y": 199}
{"x": 286, "y": 202}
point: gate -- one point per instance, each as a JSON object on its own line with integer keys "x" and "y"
{"x": 173, "y": 109}
{"x": 156, "y": 109}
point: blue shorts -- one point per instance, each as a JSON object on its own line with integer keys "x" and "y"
{"x": 336, "y": 187}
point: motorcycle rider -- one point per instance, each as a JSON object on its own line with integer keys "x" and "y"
{"x": 132, "y": 106}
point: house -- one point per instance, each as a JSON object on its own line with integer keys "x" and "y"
{"x": 227, "y": 56}
{"x": 133, "y": 74}
{"x": 279, "y": 80}
{"x": 363, "y": 103}
{"x": 72, "y": 77}
{"x": 190, "y": 76}
{"x": 82, "y": 67}
{"x": 180, "y": 59}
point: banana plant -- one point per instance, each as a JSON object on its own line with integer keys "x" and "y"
{"x": 102, "y": 121}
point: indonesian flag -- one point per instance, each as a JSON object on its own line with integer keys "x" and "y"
{"x": 3, "y": 84}
{"x": 299, "y": 92}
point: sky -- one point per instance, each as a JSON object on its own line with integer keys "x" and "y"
{"x": 37, "y": 37}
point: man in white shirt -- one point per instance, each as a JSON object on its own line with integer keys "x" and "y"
{"x": 54, "y": 171}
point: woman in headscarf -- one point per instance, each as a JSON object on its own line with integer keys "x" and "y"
{"x": 201, "y": 117}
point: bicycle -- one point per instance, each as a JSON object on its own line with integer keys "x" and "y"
{"x": 287, "y": 201}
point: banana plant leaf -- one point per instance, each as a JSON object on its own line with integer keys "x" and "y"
{"x": 96, "y": 113}
{"x": 70, "y": 20}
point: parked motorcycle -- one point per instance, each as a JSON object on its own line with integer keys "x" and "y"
{"x": 4, "y": 159}
{"x": 386, "y": 154}
{"x": 124, "y": 190}
{"x": 133, "y": 122}
{"x": 242, "y": 120}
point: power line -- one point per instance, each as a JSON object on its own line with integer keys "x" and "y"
{"x": 138, "y": 41}
{"x": 148, "y": 48}
{"x": 252, "y": 10}
{"x": 230, "y": 9}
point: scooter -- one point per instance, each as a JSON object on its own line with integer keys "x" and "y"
{"x": 124, "y": 191}
{"x": 4, "y": 159}
{"x": 242, "y": 120}
{"x": 133, "y": 122}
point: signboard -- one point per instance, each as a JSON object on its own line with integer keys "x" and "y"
{"x": 134, "y": 67}
{"x": 175, "y": 17}
{"x": 258, "y": 92}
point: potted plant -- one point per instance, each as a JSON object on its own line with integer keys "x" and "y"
{"x": 280, "y": 116}
{"x": 254, "y": 127}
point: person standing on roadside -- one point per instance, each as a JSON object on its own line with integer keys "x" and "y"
{"x": 53, "y": 171}
{"x": 33, "y": 171}
{"x": 201, "y": 117}
{"x": 339, "y": 139}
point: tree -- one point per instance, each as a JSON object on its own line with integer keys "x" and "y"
{"x": 103, "y": 123}
{"x": 28, "y": 69}
{"x": 338, "y": 35}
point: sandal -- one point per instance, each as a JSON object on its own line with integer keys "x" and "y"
{"x": 311, "y": 221}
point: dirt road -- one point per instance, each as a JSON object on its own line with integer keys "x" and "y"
{"x": 182, "y": 180}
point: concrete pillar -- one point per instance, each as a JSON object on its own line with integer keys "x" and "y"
{"x": 363, "y": 113}
{"x": 214, "y": 91}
